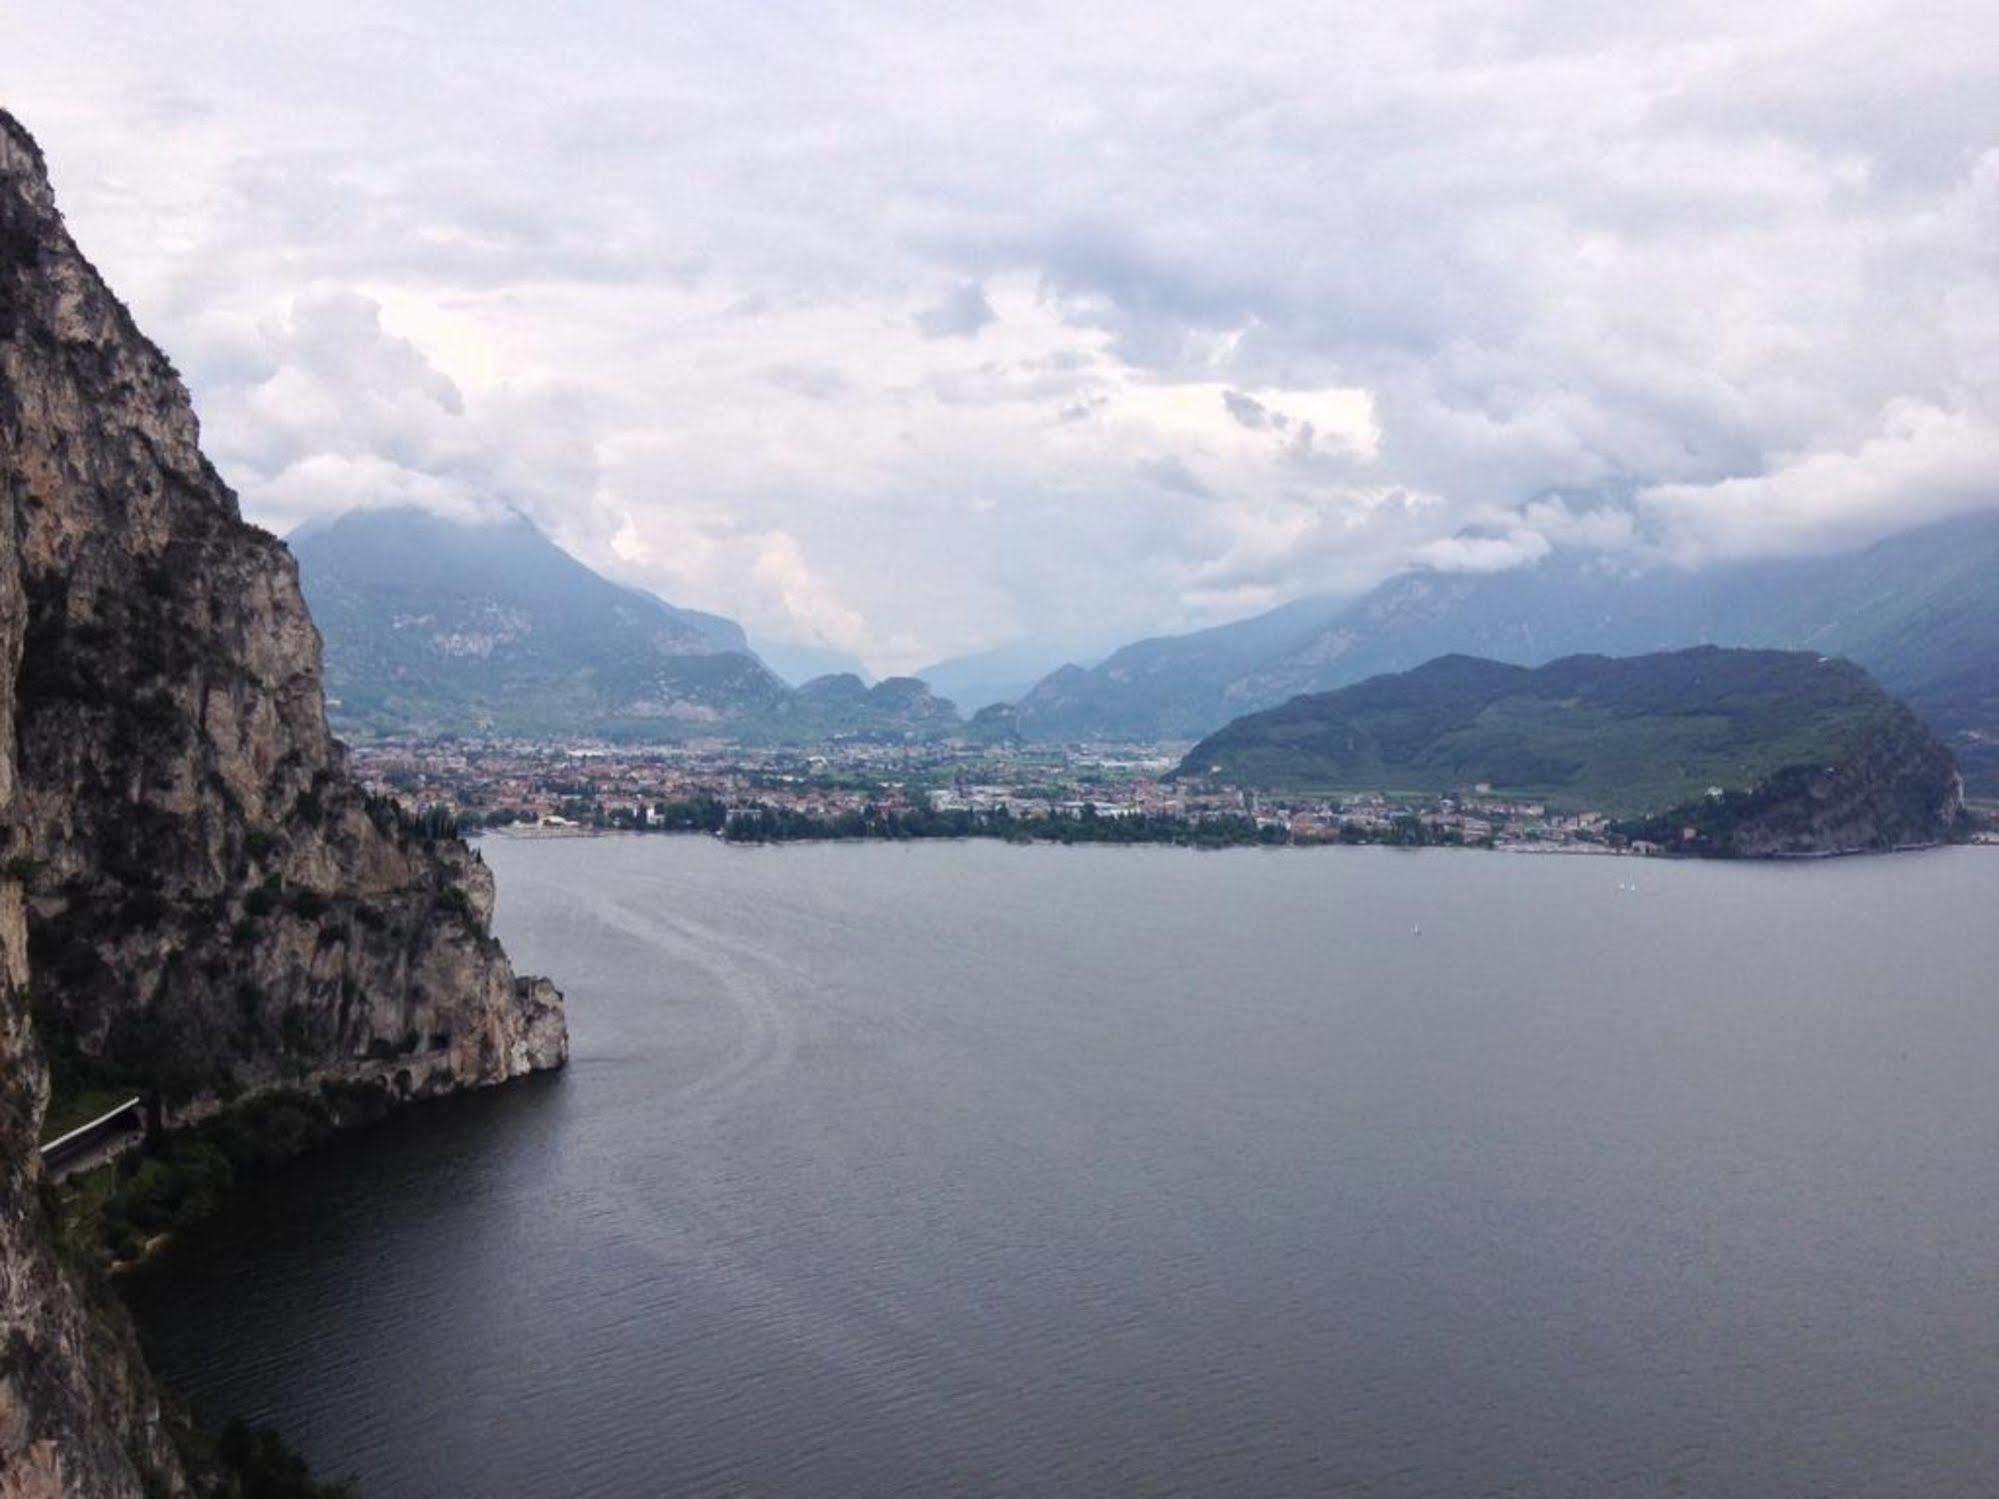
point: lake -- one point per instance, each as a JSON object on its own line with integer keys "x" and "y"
{"x": 967, "y": 1168}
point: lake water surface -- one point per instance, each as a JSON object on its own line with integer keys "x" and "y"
{"x": 976, "y": 1169}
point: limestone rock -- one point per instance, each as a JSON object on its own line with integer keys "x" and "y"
{"x": 199, "y": 898}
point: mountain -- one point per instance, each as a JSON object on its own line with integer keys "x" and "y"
{"x": 487, "y": 628}
{"x": 435, "y": 625}
{"x": 1920, "y": 610}
{"x": 721, "y": 634}
{"x": 1004, "y": 673}
{"x": 197, "y": 903}
{"x": 797, "y": 663}
{"x": 842, "y": 704}
{"x": 1171, "y": 686}
{"x": 1820, "y": 758}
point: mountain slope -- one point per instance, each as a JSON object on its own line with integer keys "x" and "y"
{"x": 196, "y": 901}
{"x": 841, "y": 704}
{"x": 796, "y": 664}
{"x": 1920, "y": 610}
{"x": 1629, "y": 736}
{"x": 1003, "y": 673}
{"x": 1171, "y": 686}
{"x": 434, "y": 625}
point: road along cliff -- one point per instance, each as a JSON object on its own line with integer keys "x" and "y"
{"x": 196, "y": 899}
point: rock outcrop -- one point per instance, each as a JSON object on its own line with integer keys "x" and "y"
{"x": 1892, "y": 786}
{"x": 198, "y": 898}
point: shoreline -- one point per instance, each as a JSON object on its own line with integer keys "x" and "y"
{"x": 529, "y": 834}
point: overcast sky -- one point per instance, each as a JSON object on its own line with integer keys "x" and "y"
{"x": 917, "y": 328}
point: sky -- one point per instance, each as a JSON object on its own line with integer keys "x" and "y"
{"x": 909, "y": 330}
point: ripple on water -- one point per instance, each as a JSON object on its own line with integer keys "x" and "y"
{"x": 977, "y": 1169}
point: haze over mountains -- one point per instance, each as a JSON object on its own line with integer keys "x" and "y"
{"x": 798, "y": 663}
{"x": 1919, "y": 610}
{"x": 1006, "y": 673}
{"x": 486, "y": 627}
{"x": 438, "y": 626}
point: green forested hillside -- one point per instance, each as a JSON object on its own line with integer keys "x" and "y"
{"x": 1626, "y": 736}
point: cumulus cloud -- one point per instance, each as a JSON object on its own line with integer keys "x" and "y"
{"x": 1483, "y": 554}
{"x": 922, "y": 333}
{"x": 338, "y": 412}
{"x": 960, "y": 315}
{"x": 1252, "y": 413}
{"x": 817, "y": 382}
{"x": 1923, "y": 464}
{"x": 781, "y": 564}
{"x": 1172, "y": 473}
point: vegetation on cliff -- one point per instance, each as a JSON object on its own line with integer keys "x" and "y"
{"x": 110, "y": 1215}
{"x": 196, "y": 900}
{"x": 1893, "y": 787}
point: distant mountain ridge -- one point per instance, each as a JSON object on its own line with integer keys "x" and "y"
{"x": 1003, "y": 673}
{"x": 488, "y": 628}
{"x": 798, "y": 664}
{"x": 1920, "y": 610}
{"x": 434, "y": 625}
{"x": 1792, "y": 751}
{"x": 1171, "y": 686}
{"x": 843, "y": 703}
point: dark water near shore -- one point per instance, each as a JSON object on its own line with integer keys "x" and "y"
{"x": 977, "y": 1169}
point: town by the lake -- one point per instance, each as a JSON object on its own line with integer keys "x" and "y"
{"x": 1117, "y": 793}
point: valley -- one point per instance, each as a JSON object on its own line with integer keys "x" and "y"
{"x": 773, "y": 751}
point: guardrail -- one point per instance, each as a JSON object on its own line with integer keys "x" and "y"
{"x": 108, "y": 1134}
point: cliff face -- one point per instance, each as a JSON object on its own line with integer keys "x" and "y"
{"x": 197, "y": 897}
{"x": 1893, "y": 786}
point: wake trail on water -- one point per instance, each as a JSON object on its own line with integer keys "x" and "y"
{"x": 667, "y": 1218}
{"x": 748, "y": 980}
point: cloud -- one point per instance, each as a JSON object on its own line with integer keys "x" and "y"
{"x": 960, "y": 315}
{"x": 1110, "y": 320}
{"x": 811, "y": 604}
{"x": 1171, "y": 473}
{"x": 817, "y": 382}
{"x": 1252, "y": 413}
{"x": 1483, "y": 554}
{"x": 1925, "y": 463}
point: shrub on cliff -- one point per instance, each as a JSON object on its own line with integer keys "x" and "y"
{"x": 256, "y": 1463}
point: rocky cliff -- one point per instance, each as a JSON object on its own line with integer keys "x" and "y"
{"x": 195, "y": 898}
{"x": 1893, "y": 785}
